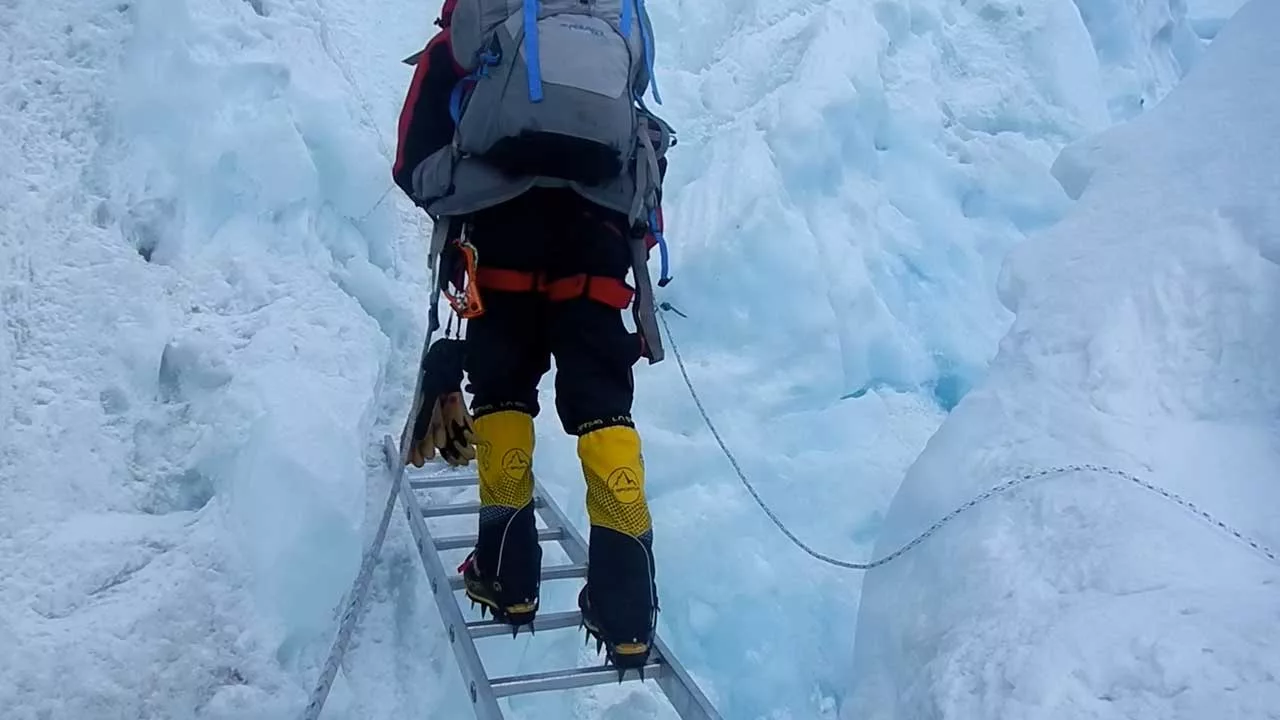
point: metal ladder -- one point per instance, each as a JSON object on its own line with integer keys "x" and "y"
{"x": 676, "y": 684}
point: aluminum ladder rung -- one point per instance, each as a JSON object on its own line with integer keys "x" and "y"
{"x": 543, "y": 622}
{"x": 553, "y": 572}
{"x": 568, "y": 679}
{"x": 466, "y": 508}
{"x": 457, "y": 542}
{"x": 676, "y": 684}
{"x": 431, "y": 483}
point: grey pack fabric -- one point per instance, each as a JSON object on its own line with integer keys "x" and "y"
{"x": 552, "y": 99}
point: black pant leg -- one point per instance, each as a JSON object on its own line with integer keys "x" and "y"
{"x": 594, "y": 351}
{"x": 507, "y": 348}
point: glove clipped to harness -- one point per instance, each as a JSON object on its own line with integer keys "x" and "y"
{"x": 448, "y": 430}
{"x": 443, "y": 425}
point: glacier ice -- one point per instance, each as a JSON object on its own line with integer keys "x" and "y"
{"x": 212, "y": 304}
{"x": 1083, "y": 596}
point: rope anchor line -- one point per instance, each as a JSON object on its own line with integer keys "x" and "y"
{"x": 1001, "y": 489}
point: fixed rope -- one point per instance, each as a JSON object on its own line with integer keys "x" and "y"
{"x": 339, "y": 58}
{"x": 385, "y": 194}
{"x": 1002, "y": 488}
{"x": 334, "y": 51}
{"x": 354, "y": 606}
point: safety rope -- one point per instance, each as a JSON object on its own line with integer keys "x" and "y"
{"x": 339, "y": 58}
{"x": 385, "y": 194}
{"x": 1002, "y": 488}
{"x": 354, "y": 605}
{"x": 334, "y": 51}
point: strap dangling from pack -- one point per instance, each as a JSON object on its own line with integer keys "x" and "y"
{"x": 532, "y": 50}
{"x": 648, "y": 46}
{"x": 644, "y": 310}
{"x": 628, "y": 16}
{"x": 655, "y": 227}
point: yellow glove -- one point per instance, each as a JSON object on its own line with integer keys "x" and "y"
{"x": 450, "y": 431}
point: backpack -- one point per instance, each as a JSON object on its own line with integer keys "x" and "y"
{"x": 555, "y": 90}
{"x": 554, "y": 96}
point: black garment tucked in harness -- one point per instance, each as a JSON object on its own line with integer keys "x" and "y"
{"x": 509, "y": 348}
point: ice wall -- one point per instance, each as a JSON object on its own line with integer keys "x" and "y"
{"x": 1145, "y": 340}
{"x": 203, "y": 301}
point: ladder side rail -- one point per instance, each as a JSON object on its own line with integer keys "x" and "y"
{"x": 483, "y": 701}
{"x": 575, "y": 546}
{"x": 681, "y": 691}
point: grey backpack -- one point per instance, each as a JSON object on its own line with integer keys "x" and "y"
{"x": 555, "y": 91}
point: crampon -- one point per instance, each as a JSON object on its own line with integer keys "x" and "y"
{"x": 624, "y": 656}
{"x": 485, "y": 594}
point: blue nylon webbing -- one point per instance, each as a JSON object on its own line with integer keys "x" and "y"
{"x": 532, "y": 51}
{"x": 664, "y": 276}
{"x": 628, "y": 7}
{"x": 487, "y": 60}
{"x": 647, "y": 42}
{"x": 455, "y": 99}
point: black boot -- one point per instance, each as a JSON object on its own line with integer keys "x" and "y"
{"x": 620, "y": 601}
{"x": 504, "y": 572}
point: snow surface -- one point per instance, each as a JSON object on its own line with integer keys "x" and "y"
{"x": 1146, "y": 339}
{"x": 1208, "y": 16}
{"x": 197, "y": 336}
{"x": 213, "y": 304}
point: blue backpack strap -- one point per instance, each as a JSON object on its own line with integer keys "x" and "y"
{"x": 646, "y": 42}
{"x": 532, "y": 56}
{"x": 488, "y": 58}
{"x": 455, "y": 98}
{"x": 628, "y": 12}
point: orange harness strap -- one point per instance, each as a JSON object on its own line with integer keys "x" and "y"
{"x": 606, "y": 290}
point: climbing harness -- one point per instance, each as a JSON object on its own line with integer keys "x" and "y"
{"x": 1002, "y": 488}
{"x": 610, "y": 291}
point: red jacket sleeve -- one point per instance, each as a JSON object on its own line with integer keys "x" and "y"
{"x": 425, "y": 123}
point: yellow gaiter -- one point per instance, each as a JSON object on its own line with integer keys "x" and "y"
{"x": 614, "y": 470}
{"x": 504, "y": 452}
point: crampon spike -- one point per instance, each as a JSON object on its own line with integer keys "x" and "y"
{"x": 515, "y": 630}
